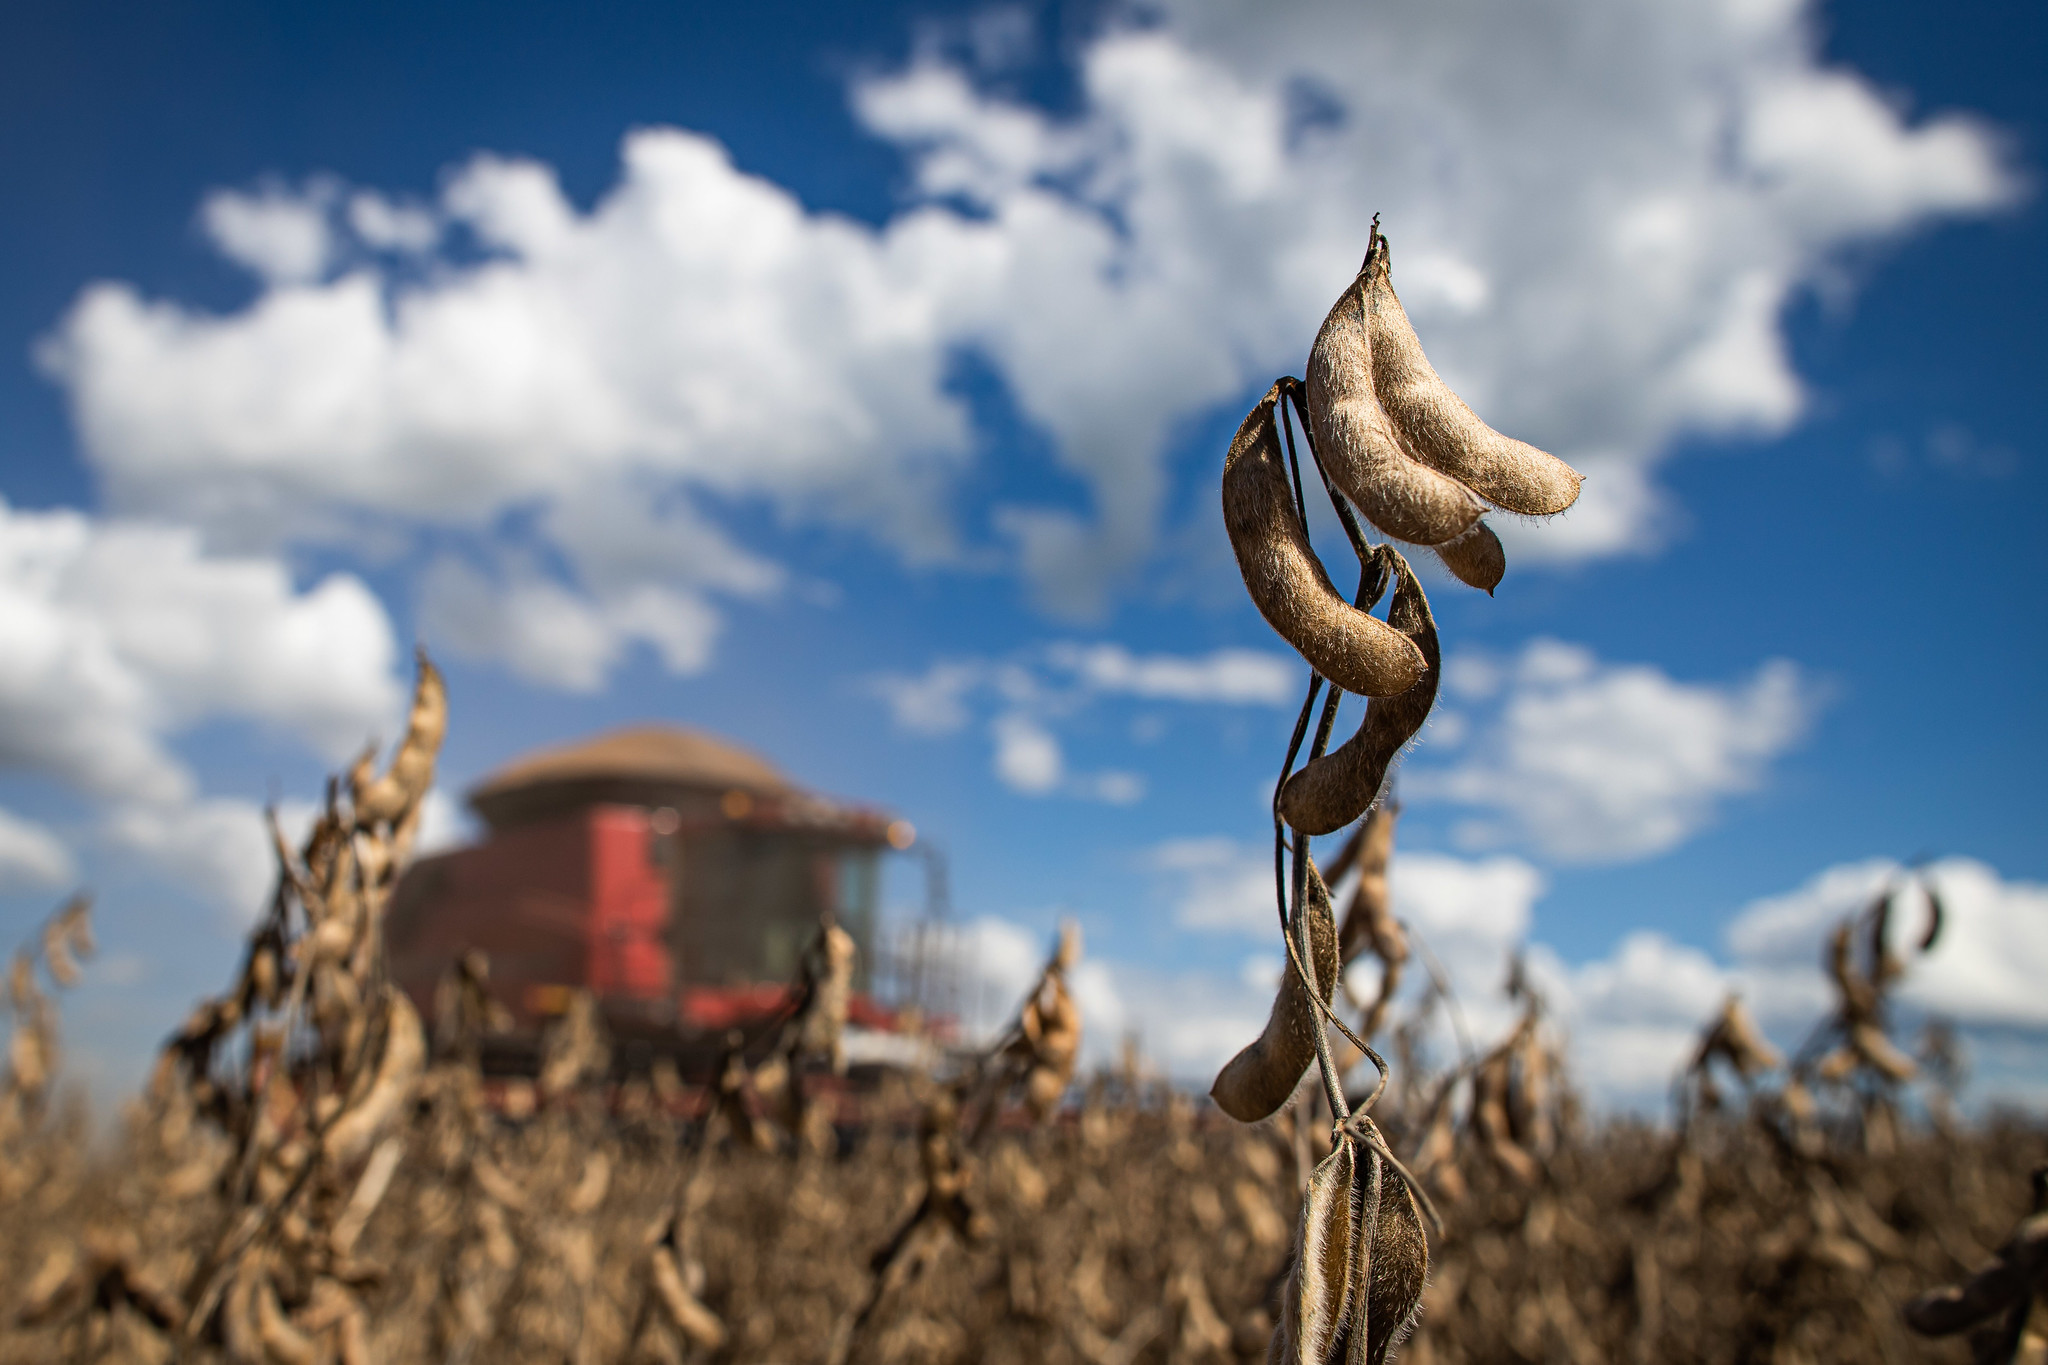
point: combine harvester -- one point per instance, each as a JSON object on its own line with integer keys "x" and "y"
{"x": 678, "y": 879}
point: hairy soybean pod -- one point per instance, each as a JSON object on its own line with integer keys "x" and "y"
{"x": 1323, "y": 1284}
{"x": 1332, "y": 791}
{"x": 398, "y": 1073}
{"x": 1357, "y": 443}
{"x": 1476, "y": 558}
{"x": 412, "y": 768}
{"x": 1396, "y": 1263}
{"x": 1257, "y": 1081}
{"x": 1356, "y": 651}
{"x": 1434, "y": 422}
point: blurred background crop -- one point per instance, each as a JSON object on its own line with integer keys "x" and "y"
{"x": 850, "y": 383}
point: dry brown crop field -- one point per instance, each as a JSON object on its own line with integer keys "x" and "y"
{"x": 1129, "y": 1229}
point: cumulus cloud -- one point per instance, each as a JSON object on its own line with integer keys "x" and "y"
{"x": 217, "y": 846}
{"x": 551, "y": 635}
{"x": 1472, "y": 911}
{"x": 32, "y": 857}
{"x": 1034, "y": 689}
{"x": 1215, "y": 882}
{"x": 115, "y": 637}
{"x": 1236, "y": 676}
{"x": 1599, "y": 215}
{"x": 1592, "y": 762}
{"x": 1028, "y": 758}
{"x": 280, "y": 236}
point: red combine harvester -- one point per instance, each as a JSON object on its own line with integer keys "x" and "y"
{"x": 673, "y": 875}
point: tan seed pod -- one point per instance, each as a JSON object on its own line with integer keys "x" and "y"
{"x": 1332, "y": 791}
{"x": 1434, "y": 422}
{"x": 29, "y": 1058}
{"x": 595, "y": 1182}
{"x": 1353, "y": 649}
{"x": 283, "y": 1341}
{"x": 391, "y": 796}
{"x": 1369, "y": 920}
{"x": 1317, "y": 1301}
{"x": 1736, "y": 1037}
{"x": 367, "y": 1195}
{"x": 1356, "y": 440}
{"x": 51, "y": 1288}
{"x": 1397, "y": 1268}
{"x": 1257, "y": 1081}
{"x": 1043, "y": 1088}
{"x": 67, "y": 938}
{"x": 240, "y": 1330}
{"x": 1877, "y": 1050}
{"x": 398, "y": 1074}
{"x": 698, "y": 1324}
{"x": 1475, "y": 558}
{"x": 2001, "y": 1287}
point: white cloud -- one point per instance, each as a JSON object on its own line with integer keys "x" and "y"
{"x": 1216, "y": 882}
{"x": 559, "y": 638}
{"x": 1634, "y": 1015}
{"x": 934, "y": 703}
{"x": 119, "y": 634}
{"x": 280, "y": 236}
{"x": 389, "y": 226}
{"x": 1599, "y": 215}
{"x": 1112, "y": 787}
{"x": 1035, "y": 688}
{"x": 32, "y": 857}
{"x": 1235, "y": 676}
{"x": 217, "y": 846}
{"x": 1593, "y": 762}
{"x": 115, "y": 637}
{"x": 1028, "y": 758}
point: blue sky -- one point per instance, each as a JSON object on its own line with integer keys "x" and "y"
{"x": 854, "y": 382}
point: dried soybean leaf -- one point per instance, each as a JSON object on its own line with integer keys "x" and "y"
{"x": 1353, "y": 649}
{"x": 1332, "y": 791}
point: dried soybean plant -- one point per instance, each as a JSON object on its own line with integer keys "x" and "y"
{"x": 307, "y": 1064}
{"x": 1393, "y": 444}
{"x": 810, "y": 1035}
{"x": 1034, "y": 1055}
{"x": 64, "y": 938}
{"x": 1851, "y": 1056}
